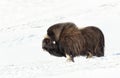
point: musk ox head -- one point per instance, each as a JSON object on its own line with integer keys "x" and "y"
{"x": 65, "y": 39}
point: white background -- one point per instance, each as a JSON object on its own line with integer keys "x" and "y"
{"x": 23, "y": 25}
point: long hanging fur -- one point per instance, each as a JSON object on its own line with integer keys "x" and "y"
{"x": 65, "y": 39}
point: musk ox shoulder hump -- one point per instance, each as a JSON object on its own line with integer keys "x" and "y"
{"x": 55, "y": 30}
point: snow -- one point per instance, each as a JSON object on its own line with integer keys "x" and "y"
{"x": 23, "y": 25}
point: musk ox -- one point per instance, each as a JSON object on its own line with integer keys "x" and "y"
{"x": 65, "y": 39}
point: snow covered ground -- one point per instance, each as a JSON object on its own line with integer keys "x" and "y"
{"x": 23, "y": 25}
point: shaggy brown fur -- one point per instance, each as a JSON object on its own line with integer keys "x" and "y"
{"x": 65, "y": 39}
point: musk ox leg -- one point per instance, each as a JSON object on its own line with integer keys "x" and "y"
{"x": 69, "y": 58}
{"x": 99, "y": 51}
{"x": 89, "y": 55}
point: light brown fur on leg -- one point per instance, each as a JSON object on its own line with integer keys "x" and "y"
{"x": 89, "y": 55}
{"x": 69, "y": 58}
